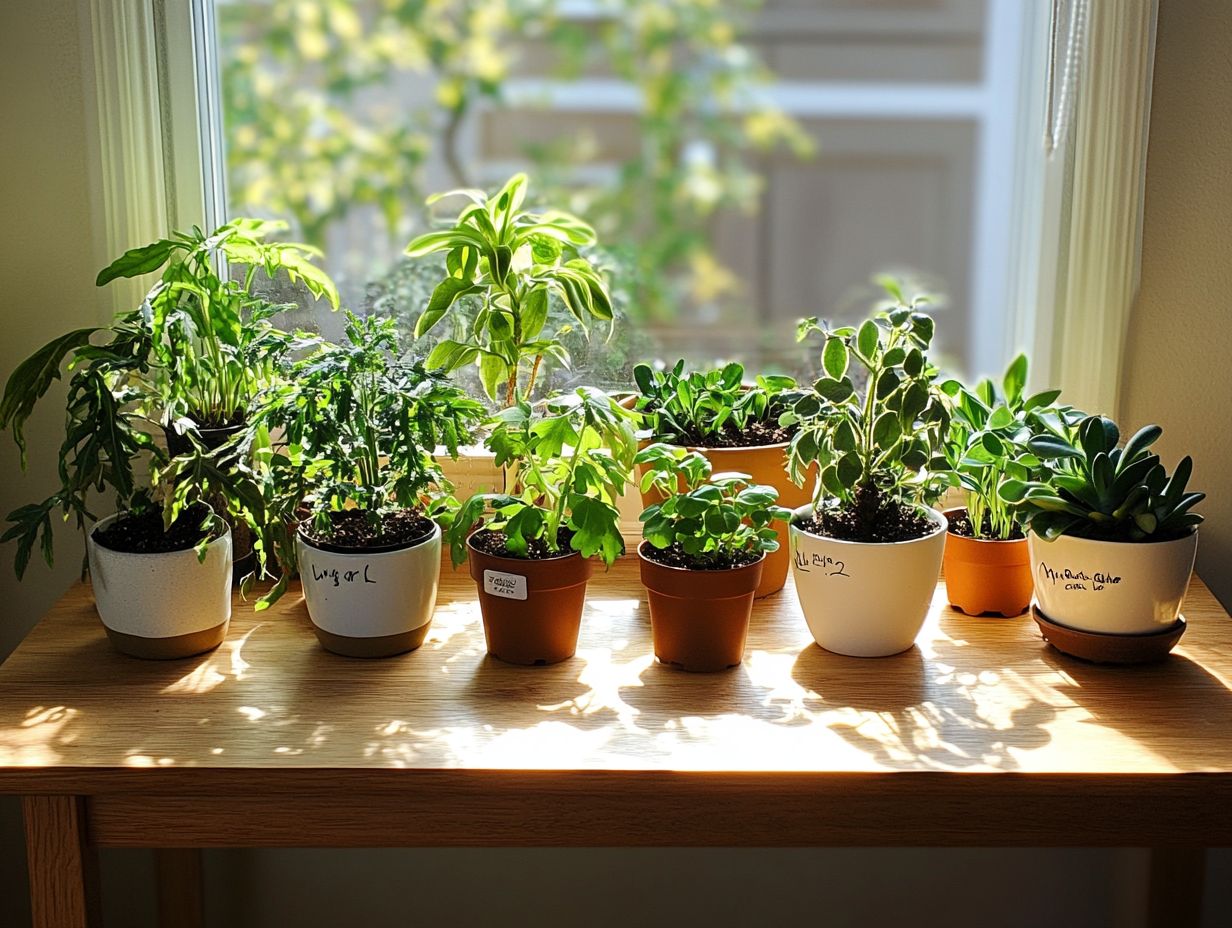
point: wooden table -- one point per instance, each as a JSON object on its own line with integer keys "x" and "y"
{"x": 980, "y": 735}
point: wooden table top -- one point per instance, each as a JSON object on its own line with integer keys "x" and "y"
{"x": 974, "y": 695}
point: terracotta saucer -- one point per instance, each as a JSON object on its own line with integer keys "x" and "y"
{"x": 1109, "y": 649}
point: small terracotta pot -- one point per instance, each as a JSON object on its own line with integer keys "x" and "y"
{"x": 699, "y": 618}
{"x": 765, "y": 464}
{"x": 983, "y": 576}
{"x": 532, "y": 609}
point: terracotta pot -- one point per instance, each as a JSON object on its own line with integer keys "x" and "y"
{"x": 373, "y": 603}
{"x": 166, "y": 605}
{"x": 532, "y": 609}
{"x": 863, "y": 599}
{"x": 766, "y": 464}
{"x": 984, "y": 576}
{"x": 699, "y": 618}
{"x": 1112, "y": 587}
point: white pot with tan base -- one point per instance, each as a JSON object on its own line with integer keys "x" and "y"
{"x": 1112, "y": 587}
{"x": 374, "y": 603}
{"x": 165, "y": 605}
{"x": 861, "y": 599}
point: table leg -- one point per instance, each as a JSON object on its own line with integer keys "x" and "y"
{"x": 181, "y": 896}
{"x": 1174, "y": 899}
{"x": 63, "y": 865}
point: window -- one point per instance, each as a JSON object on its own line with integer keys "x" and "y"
{"x": 790, "y": 149}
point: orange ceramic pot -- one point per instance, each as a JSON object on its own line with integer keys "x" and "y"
{"x": 766, "y": 464}
{"x": 699, "y": 619}
{"x": 532, "y": 609}
{"x": 983, "y": 576}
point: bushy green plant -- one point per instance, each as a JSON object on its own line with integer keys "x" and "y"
{"x": 988, "y": 444}
{"x": 1102, "y": 491}
{"x": 360, "y": 426}
{"x": 717, "y": 520}
{"x": 571, "y": 459}
{"x": 711, "y": 408}
{"x": 878, "y": 443}
{"x": 212, "y": 344}
{"x": 107, "y": 446}
{"x": 514, "y": 261}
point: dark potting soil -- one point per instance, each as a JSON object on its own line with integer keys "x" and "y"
{"x": 871, "y": 517}
{"x": 675, "y": 556}
{"x": 753, "y": 435}
{"x": 497, "y": 545}
{"x": 355, "y": 528}
{"x": 960, "y": 524}
{"x": 142, "y": 532}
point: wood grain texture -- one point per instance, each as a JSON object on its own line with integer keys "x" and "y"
{"x": 63, "y": 867}
{"x": 270, "y": 713}
{"x": 180, "y": 887}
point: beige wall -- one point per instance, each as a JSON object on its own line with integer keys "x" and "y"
{"x": 1177, "y": 369}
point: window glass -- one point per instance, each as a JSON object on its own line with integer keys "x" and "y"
{"x": 745, "y": 163}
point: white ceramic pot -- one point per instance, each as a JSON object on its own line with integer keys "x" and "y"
{"x": 866, "y": 600}
{"x": 1112, "y": 587}
{"x": 371, "y": 604}
{"x": 164, "y": 605}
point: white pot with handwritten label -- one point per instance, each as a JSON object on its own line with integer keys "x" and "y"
{"x": 371, "y": 603}
{"x": 861, "y": 599}
{"x": 1112, "y": 587}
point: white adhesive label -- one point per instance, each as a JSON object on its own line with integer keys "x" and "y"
{"x": 510, "y": 586}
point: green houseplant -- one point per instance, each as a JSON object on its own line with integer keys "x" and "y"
{"x": 531, "y": 554}
{"x": 878, "y": 448}
{"x": 1111, "y": 534}
{"x": 735, "y": 424}
{"x": 704, "y": 548}
{"x": 514, "y": 262}
{"x": 355, "y": 476}
{"x": 987, "y": 568}
{"x": 161, "y": 565}
{"x": 212, "y": 342}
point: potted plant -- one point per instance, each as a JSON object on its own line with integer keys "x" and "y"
{"x": 703, "y": 553}
{"x": 353, "y": 478}
{"x": 212, "y": 344}
{"x": 732, "y": 423}
{"x": 531, "y": 554}
{"x": 513, "y": 262}
{"x": 987, "y": 568}
{"x": 161, "y": 565}
{"x": 866, "y": 553}
{"x": 1111, "y": 535}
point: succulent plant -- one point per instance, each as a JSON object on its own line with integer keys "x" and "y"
{"x": 1102, "y": 491}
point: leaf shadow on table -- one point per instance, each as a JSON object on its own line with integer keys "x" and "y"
{"x": 1165, "y": 706}
{"x": 948, "y": 709}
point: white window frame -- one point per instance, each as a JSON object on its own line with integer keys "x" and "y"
{"x": 1058, "y": 282}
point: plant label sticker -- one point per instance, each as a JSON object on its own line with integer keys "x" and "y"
{"x": 509, "y": 586}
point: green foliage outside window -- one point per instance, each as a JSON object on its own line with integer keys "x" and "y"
{"x": 312, "y": 135}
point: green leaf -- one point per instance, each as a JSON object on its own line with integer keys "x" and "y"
{"x": 834, "y": 358}
{"x": 137, "y": 261}
{"x": 887, "y": 429}
{"x": 596, "y": 527}
{"x": 30, "y": 381}
{"x": 493, "y": 373}
{"x": 1015, "y": 380}
{"x": 867, "y": 339}
{"x": 1001, "y": 418}
{"x": 443, "y": 297}
{"x": 849, "y": 469}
